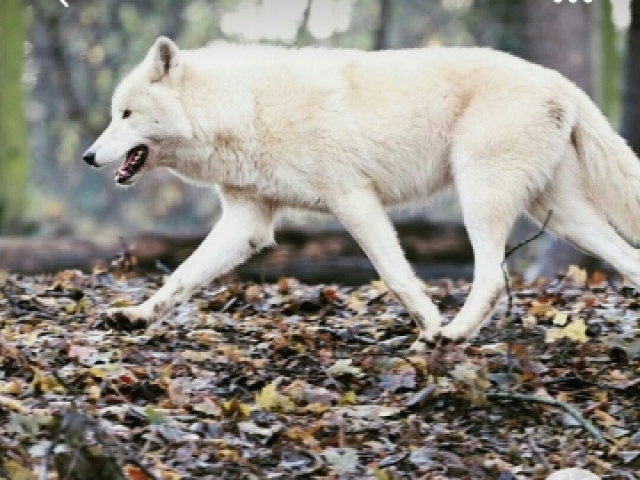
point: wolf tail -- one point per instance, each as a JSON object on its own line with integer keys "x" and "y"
{"x": 612, "y": 169}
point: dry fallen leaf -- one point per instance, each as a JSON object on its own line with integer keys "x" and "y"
{"x": 344, "y": 366}
{"x": 560, "y": 319}
{"x": 342, "y": 460}
{"x": 578, "y": 275}
{"x": 270, "y": 399}
{"x": 576, "y": 331}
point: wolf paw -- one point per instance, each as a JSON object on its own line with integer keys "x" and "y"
{"x": 425, "y": 339}
{"x": 127, "y": 319}
{"x": 451, "y": 335}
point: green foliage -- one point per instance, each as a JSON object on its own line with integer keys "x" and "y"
{"x": 13, "y": 125}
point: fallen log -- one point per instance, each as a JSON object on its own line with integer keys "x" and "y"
{"x": 435, "y": 250}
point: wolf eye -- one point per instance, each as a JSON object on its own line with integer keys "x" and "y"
{"x": 126, "y": 114}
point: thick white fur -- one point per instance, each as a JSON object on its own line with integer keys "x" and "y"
{"x": 351, "y": 133}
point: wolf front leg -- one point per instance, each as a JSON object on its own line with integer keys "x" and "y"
{"x": 363, "y": 215}
{"x": 246, "y": 226}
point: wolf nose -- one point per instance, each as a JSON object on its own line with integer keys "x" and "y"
{"x": 90, "y": 158}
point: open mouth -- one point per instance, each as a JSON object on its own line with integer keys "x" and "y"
{"x": 136, "y": 158}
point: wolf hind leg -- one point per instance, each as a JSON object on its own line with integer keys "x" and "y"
{"x": 494, "y": 190}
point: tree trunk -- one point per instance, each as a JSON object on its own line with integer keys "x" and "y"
{"x": 631, "y": 102}
{"x": 13, "y": 125}
{"x": 380, "y": 40}
{"x": 609, "y": 63}
{"x": 558, "y": 36}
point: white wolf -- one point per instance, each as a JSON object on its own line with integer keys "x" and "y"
{"x": 350, "y": 133}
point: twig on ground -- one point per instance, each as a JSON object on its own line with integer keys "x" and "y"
{"x": 512, "y": 251}
{"x": 570, "y": 409}
{"x": 507, "y": 285}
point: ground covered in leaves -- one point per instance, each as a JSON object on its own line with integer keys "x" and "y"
{"x": 292, "y": 381}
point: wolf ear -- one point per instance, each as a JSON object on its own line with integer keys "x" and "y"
{"x": 165, "y": 58}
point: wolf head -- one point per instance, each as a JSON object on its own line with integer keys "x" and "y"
{"x": 148, "y": 120}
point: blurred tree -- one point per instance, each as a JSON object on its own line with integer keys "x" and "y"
{"x": 498, "y": 24}
{"x": 380, "y": 41}
{"x": 13, "y": 125}
{"x": 303, "y": 37}
{"x": 608, "y": 61}
{"x": 631, "y": 104}
{"x": 558, "y": 36}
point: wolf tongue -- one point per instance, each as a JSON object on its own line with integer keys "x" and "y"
{"x": 130, "y": 160}
{"x": 125, "y": 170}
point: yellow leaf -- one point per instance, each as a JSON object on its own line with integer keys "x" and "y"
{"x": 381, "y": 474}
{"x": 577, "y": 274}
{"x": 45, "y": 383}
{"x": 357, "y": 304}
{"x": 165, "y": 375}
{"x": 348, "y": 398}
{"x": 31, "y": 339}
{"x": 419, "y": 362}
{"x": 17, "y": 471}
{"x": 13, "y": 404}
{"x": 560, "y": 319}
{"x": 540, "y": 309}
{"x": 604, "y": 418}
{"x": 93, "y": 392}
{"x": 120, "y": 303}
{"x": 601, "y": 397}
{"x": 576, "y": 331}
{"x": 228, "y": 455}
{"x": 233, "y": 407}
{"x": 554, "y": 334}
{"x": 13, "y": 388}
{"x": 315, "y": 408}
{"x": 380, "y": 286}
{"x": 170, "y": 475}
{"x": 270, "y": 399}
{"x": 98, "y": 372}
{"x": 296, "y": 390}
{"x": 70, "y": 308}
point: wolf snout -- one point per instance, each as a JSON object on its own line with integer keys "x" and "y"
{"x": 90, "y": 157}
